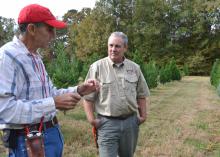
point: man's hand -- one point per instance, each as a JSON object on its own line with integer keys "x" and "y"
{"x": 88, "y": 87}
{"x": 66, "y": 101}
{"x": 142, "y": 108}
{"x": 95, "y": 122}
{"x": 141, "y": 120}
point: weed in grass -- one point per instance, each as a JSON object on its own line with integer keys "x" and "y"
{"x": 202, "y": 125}
{"x": 197, "y": 143}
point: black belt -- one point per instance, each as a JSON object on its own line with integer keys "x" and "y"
{"x": 46, "y": 125}
{"x": 122, "y": 117}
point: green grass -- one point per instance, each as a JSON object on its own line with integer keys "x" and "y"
{"x": 183, "y": 121}
{"x": 197, "y": 143}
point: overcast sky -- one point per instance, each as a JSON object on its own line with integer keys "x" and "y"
{"x": 11, "y": 8}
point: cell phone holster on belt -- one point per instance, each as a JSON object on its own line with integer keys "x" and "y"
{"x": 35, "y": 144}
{"x": 34, "y": 141}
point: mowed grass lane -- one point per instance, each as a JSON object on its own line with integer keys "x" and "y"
{"x": 183, "y": 121}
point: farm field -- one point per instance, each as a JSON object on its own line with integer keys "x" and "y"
{"x": 183, "y": 121}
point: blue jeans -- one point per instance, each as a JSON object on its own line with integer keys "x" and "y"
{"x": 53, "y": 144}
{"x": 118, "y": 137}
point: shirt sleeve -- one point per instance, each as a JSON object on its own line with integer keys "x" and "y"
{"x": 142, "y": 87}
{"x": 92, "y": 74}
{"x": 56, "y": 92}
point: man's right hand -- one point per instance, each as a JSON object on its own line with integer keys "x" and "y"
{"x": 95, "y": 122}
{"x": 66, "y": 101}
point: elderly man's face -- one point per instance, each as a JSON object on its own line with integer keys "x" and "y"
{"x": 43, "y": 35}
{"x": 116, "y": 49}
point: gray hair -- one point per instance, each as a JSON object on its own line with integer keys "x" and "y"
{"x": 122, "y": 35}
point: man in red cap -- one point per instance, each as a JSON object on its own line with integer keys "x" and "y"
{"x": 28, "y": 99}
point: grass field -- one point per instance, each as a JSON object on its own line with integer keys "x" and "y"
{"x": 183, "y": 121}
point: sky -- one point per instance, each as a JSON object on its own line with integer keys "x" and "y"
{"x": 11, "y": 8}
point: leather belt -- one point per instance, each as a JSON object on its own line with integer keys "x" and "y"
{"x": 46, "y": 125}
{"x": 122, "y": 117}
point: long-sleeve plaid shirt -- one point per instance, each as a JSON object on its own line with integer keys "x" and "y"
{"x": 26, "y": 91}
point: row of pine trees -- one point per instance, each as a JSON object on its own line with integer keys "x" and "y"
{"x": 66, "y": 71}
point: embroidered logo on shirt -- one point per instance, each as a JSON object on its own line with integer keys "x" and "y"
{"x": 130, "y": 71}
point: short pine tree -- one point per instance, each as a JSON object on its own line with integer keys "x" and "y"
{"x": 63, "y": 70}
{"x": 175, "y": 72}
{"x": 215, "y": 73}
{"x": 150, "y": 72}
{"x": 186, "y": 70}
{"x": 165, "y": 74}
{"x": 218, "y": 89}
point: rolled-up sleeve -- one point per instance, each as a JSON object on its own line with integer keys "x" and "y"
{"x": 92, "y": 74}
{"x": 142, "y": 87}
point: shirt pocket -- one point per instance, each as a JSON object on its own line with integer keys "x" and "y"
{"x": 131, "y": 85}
{"x": 107, "y": 89}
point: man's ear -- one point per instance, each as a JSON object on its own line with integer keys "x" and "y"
{"x": 126, "y": 47}
{"x": 31, "y": 28}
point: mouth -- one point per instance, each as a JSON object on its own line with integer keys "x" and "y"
{"x": 114, "y": 54}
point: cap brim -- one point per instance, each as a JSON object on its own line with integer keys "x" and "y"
{"x": 56, "y": 24}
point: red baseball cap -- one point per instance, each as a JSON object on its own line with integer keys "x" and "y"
{"x": 36, "y": 13}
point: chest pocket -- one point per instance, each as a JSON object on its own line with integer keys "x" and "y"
{"x": 131, "y": 84}
{"x": 107, "y": 88}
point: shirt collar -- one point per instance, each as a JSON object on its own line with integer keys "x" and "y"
{"x": 21, "y": 45}
{"x": 118, "y": 64}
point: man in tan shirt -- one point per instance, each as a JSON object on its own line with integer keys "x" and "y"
{"x": 121, "y": 104}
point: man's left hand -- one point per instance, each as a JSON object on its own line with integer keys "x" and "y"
{"x": 88, "y": 87}
{"x": 141, "y": 120}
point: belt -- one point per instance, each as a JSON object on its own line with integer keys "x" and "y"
{"x": 122, "y": 117}
{"x": 46, "y": 125}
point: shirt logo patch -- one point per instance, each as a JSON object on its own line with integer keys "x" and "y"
{"x": 130, "y": 71}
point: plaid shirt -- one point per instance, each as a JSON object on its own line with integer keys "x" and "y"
{"x": 26, "y": 91}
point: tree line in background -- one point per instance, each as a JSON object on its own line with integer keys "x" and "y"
{"x": 186, "y": 32}
{"x": 66, "y": 71}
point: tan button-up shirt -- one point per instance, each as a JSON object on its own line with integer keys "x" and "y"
{"x": 121, "y": 86}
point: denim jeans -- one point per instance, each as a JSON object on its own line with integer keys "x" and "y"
{"x": 118, "y": 137}
{"x": 53, "y": 144}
